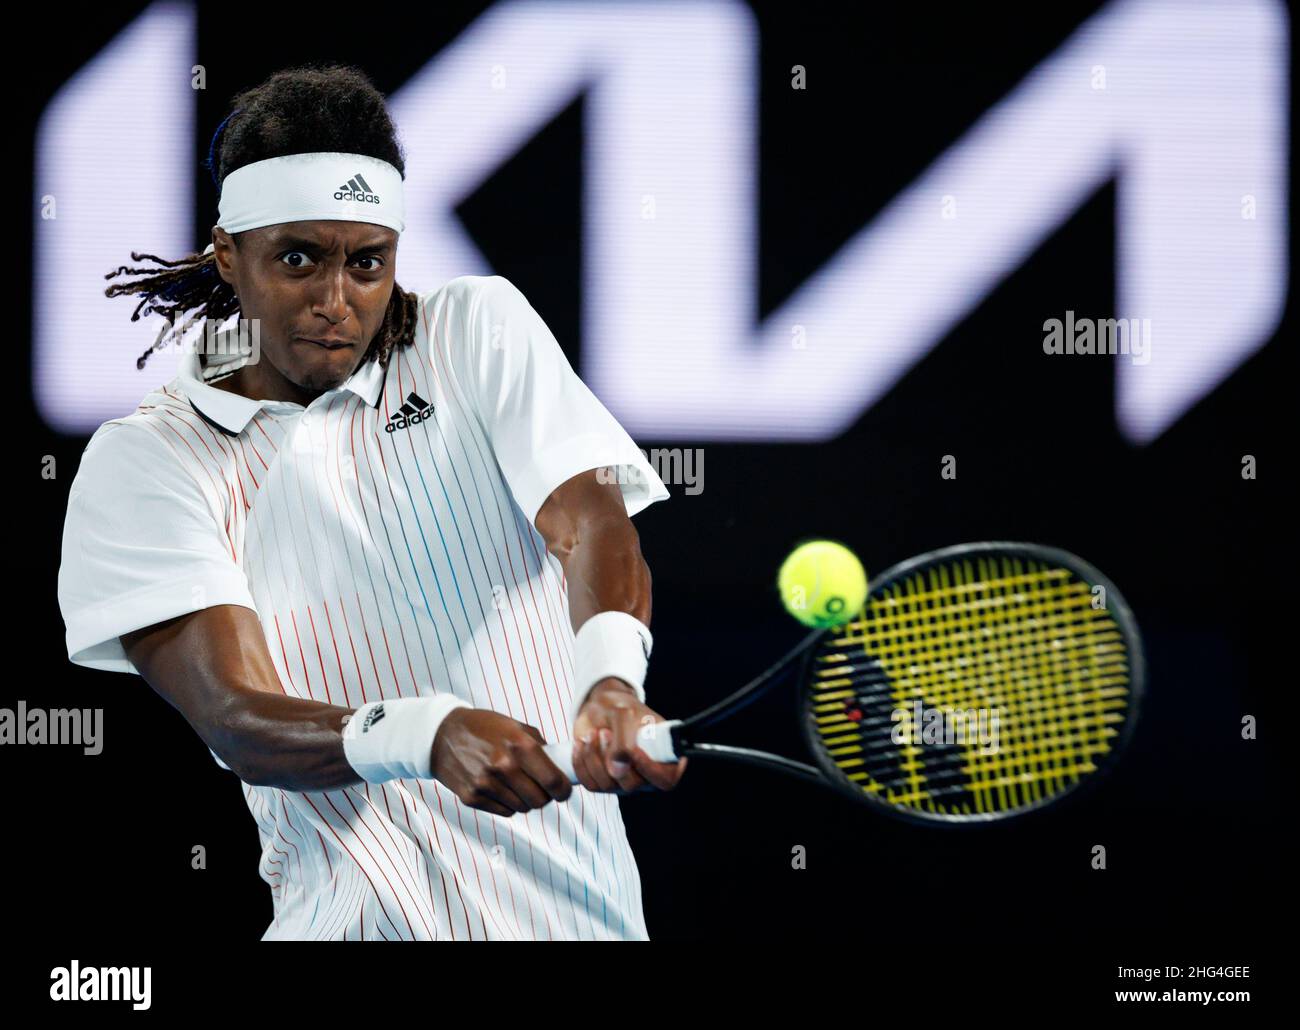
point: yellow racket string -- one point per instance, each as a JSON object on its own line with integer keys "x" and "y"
{"x": 974, "y": 639}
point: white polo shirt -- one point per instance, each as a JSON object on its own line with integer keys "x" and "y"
{"x": 384, "y": 536}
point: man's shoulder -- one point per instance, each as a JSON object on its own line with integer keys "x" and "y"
{"x": 138, "y": 436}
{"x": 474, "y": 290}
{"x": 459, "y": 317}
{"x": 145, "y": 421}
{"x": 134, "y": 461}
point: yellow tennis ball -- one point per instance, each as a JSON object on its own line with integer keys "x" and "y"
{"x": 822, "y": 583}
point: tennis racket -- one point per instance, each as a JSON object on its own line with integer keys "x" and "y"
{"x": 978, "y": 682}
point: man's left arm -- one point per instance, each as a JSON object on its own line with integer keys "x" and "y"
{"x": 585, "y": 525}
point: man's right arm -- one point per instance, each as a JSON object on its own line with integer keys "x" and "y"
{"x": 213, "y": 667}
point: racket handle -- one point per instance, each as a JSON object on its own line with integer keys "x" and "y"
{"x": 655, "y": 739}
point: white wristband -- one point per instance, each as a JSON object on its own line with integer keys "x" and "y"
{"x": 609, "y": 644}
{"x": 393, "y": 739}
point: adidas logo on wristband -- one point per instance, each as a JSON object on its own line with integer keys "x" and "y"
{"x": 372, "y": 717}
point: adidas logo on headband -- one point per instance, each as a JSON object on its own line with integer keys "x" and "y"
{"x": 300, "y": 188}
{"x": 356, "y": 189}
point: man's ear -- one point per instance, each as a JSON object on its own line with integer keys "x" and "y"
{"x": 223, "y": 244}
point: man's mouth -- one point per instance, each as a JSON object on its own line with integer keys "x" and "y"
{"x": 327, "y": 344}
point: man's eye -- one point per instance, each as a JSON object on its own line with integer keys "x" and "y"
{"x": 373, "y": 268}
{"x": 295, "y": 259}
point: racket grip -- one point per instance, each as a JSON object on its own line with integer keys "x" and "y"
{"x": 655, "y": 739}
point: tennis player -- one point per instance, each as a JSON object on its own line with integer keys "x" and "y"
{"x": 378, "y": 558}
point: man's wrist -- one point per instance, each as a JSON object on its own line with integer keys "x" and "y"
{"x": 393, "y": 739}
{"x": 609, "y": 645}
{"x": 608, "y": 683}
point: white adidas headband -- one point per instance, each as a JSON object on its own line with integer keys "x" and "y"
{"x": 310, "y": 187}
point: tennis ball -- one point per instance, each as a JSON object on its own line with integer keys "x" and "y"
{"x": 822, "y": 583}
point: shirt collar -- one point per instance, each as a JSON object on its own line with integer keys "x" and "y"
{"x": 231, "y": 411}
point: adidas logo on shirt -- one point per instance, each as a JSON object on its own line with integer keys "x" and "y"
{"x": 356, "y": 189}
{"x": 413, "y": 412}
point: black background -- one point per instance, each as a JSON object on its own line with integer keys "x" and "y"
{"x": 1190, "y": 820}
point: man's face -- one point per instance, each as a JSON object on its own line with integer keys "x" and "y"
{"x": 320, "y": 290}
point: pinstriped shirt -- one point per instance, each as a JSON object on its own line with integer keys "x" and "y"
{"x": 384, "y": 535}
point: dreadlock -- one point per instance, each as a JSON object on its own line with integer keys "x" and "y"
{"x": 296, "y": 111}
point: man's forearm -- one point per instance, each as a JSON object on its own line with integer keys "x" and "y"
{"x": 271, "y": 740}
{"x": 605, "y": 570}
{"x": 213, "y": 667}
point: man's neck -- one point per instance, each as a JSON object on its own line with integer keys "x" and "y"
{"x": 261, "y": 382}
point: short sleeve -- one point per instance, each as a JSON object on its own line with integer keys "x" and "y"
{"x": 544, "y": 424}
{"x": 142, "y": 543}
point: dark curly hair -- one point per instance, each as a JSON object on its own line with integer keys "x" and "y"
{"x": 300, "y": 110}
